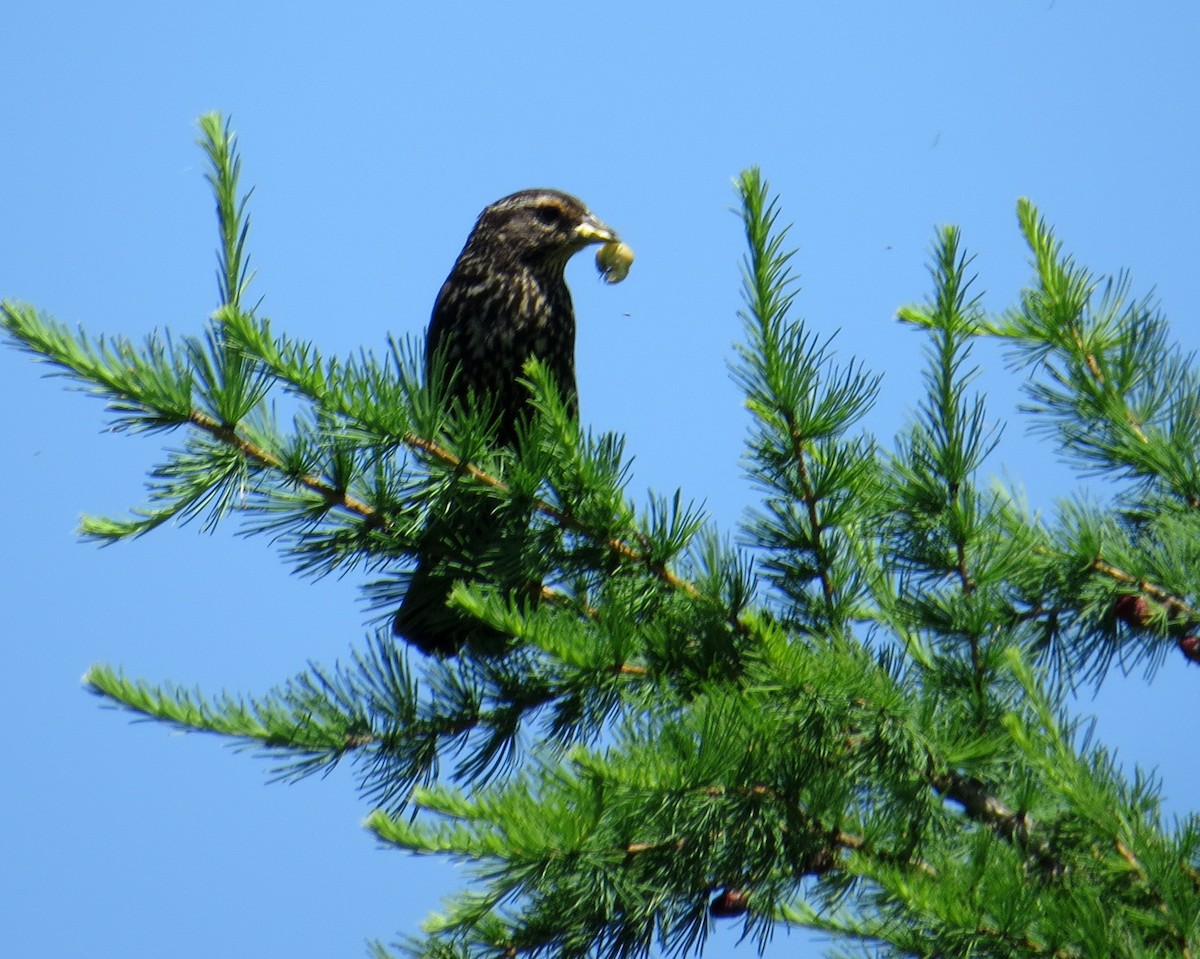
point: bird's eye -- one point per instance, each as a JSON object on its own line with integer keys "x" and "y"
{"x": 550, "y": 215}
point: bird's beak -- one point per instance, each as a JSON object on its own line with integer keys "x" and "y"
{"x": 592, "y": 230}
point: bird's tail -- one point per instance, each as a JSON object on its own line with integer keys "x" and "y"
{"x": 471, "y": 543}
{"x": 426, "y": 621}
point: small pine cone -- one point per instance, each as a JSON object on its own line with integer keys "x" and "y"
{"x": 1189, "y": 645}
{"x": 730, "y": 903}
{"x": 818, "y": 863}
{"x": 1134, "y": 611}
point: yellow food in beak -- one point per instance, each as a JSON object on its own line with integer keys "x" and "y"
{"x": 613, "y": 261}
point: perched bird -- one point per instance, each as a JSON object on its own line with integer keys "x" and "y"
{"x": 505, "y": 300}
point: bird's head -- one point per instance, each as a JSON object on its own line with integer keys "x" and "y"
{"x": 540, "y": 228}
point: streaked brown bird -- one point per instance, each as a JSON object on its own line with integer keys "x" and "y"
{"x": 505, "y": 300}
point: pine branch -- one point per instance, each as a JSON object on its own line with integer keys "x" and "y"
{"x": 262, "y": 457}
{"x": 1120, "y": 399}
{"x": 301, "y": 369}
{"x": 233, "y": 219}
{"x": 819, "y": 482}
{"x": 121, "y": 372}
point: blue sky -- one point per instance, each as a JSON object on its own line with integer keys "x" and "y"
{"x": 373, "y": 134}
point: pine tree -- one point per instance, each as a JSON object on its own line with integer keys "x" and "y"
{"x": 854, "y": 720}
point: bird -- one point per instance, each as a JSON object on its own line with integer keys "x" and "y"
{"x": 505, "y": 301}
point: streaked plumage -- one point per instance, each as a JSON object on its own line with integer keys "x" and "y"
{"x": 505, "y": 300}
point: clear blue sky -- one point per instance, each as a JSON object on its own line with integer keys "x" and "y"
{"x": 374, "y": 134}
